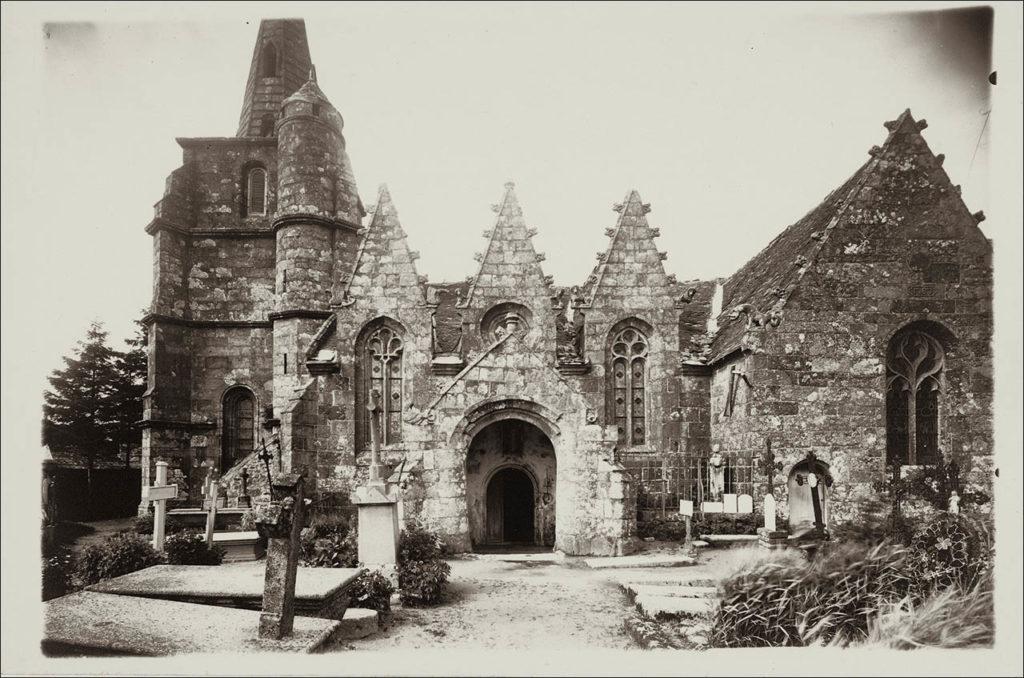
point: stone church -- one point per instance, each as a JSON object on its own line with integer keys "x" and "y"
{"x": 511, "y": 409}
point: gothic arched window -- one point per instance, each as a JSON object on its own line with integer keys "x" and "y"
{"x": 914, "y": 385}
{"x": 256, "y": 192}
{"x": 379, "y": 354}
{"x": 239, "y": 421}
{"x": 268, "y": 61}
{"x": 628, "y": 381}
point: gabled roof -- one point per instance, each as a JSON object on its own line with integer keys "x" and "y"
{"x": 384, "y": 266}
{"x": 631, "y": 260}
{"x": 510, "y": 262}
{"x": 769, "y": 279}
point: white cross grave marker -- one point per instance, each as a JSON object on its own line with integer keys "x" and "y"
{"x": 211, "y": 511}
{"x": 769, "y": 513}
{"x": 158, "y": 494}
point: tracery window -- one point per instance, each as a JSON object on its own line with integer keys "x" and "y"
{"x": 381, "y": 354}
{"x": 628, "y": 381}
{"x": 915, "y": 371}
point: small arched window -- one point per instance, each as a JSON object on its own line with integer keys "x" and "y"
{"x": 256, "y": 192}
{"x": 268, "y": 61}
{"x": 628, "y": 381}
{"x": 915, "y": 378}
{"x": 239, "y": 421}
{"x": 380, "y": 355}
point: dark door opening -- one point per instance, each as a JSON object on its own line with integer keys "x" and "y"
{"x": 510, "y": 505}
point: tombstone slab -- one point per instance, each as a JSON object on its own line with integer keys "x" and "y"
{"x": 319, "y": 591}
{"x": 712, "y": 507}
{"x": 729, "y": 503}
{"x": 281, "y": 522}
{"x": 769, "y": 512}
{"x": 745, "y": 504}
{"x": 93, "y": 623}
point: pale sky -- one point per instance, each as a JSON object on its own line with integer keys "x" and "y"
{"x": 732, "y": 123}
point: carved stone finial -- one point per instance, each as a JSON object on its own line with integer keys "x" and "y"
{"x": 874, "y": 151}
{"x": 801, "y": 261}
{"x": 618, "y": 207}
{"x": 890, "y": 124}
{"x": 541, "y": 257}
{"x": 531, "y": 231}
{"x": 645, "y": 208}
{"x": 478, "y": 256}
{"x": 979, "y": 216}
{"x": 609, "y": 231}
{"x": 488, "y": 232}
{"x": 495, "y": 207}
{"x": 655, "y": 232}
{"x": 922, "y": 125}
{"x": 818, "y": 235}
{"x": 687, "y": 296}
{"x": 663, "y": 255}
{"x": 601, "y": 256}
{"x": 414, "y": 255}
{"x": 940, "y": 158}
{"x": 509, "y": 185}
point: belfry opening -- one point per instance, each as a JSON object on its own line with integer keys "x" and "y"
{"x": 510, "y": 486}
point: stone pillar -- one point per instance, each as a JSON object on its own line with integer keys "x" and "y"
{"x": 281, "y": 522}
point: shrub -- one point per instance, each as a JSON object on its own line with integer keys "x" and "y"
{"x": 58, "y": 569}
{"x": 952, "y": 551}
{"x": 116, "y": 555}
{"x": 725, "y": 523}
{"x": 372, "y": 590}
{"x": 778, "y": 603}
{"x": 143, "y": 524}
{"x": 189, "y": 547}
{"x": 422, "y": 572}
{"x": 329, "y": 545}
{"x": 954, "y": 618}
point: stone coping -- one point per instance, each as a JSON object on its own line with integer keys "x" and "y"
{"x": 230, "y": 580}
{"x": 90, "y": 623}
{"x": 729, "y": 538}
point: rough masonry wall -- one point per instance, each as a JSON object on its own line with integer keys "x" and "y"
{"x": 906, "y": 249}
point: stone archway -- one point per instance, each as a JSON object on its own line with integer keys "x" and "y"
{"x": 510, "y": 485}
{"x": 807, "y": 479}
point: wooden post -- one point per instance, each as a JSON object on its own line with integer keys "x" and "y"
{"x": 211, "y": 511}
{"x": 158, "y": 494}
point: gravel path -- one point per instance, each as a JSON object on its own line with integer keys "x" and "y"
{"x": 508, "y": 606}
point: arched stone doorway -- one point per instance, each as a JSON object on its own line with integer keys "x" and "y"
{"x": 510, "y": 485}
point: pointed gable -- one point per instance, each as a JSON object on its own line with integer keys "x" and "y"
{"x": 385, "y": 275}
{"x": 903, "y": 172}
{"x": 280, "y": 65}
{"x": 510, "y": 267}
{"x": 632, "y": 264}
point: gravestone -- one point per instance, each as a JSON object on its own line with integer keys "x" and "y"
{"x": 158, "y": 494}
{"x": 280, "y": 522}
{"x": 729, "y": 503}
{"x": 745, "y": 504}
{"x": 712, "y": 507}
{"x": 686, "y": 510}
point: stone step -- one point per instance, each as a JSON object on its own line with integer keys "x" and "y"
{"x": 91, "y": 623}
{"x": 240, "y": 547}
{"x": 729, "y": 539}
{"x": 670, "y": 606}
{"x": 319, "y": 591}
{"x": 359, "y": 622}
{"x": 640, "y": 560}
{"x": 664, "y": 577}
{"x": 670, "y": 591}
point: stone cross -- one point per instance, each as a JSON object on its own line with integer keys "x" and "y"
{"x": 769, "y": 513}
{"x": 158, "y": 494}
{"x": 281, "y": 522}
{"x": 376, "y": 477}
{"x": 211, "y": 510}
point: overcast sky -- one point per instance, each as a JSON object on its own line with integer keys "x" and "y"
{"x": 731, "y": 123}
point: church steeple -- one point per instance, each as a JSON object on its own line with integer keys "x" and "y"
{"x": 280, "y": 65}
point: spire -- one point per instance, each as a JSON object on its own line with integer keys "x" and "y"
{"x": 631, "y": 254}
{"x": 280, "y": 64}
{"x": 510, "y": 266}
{"x": 385, "y": 268}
